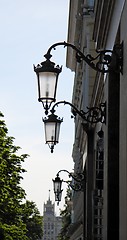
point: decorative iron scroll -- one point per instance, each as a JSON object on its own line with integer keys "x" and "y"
{"x": 105, "y": 61}
{"x": 93, "y": 115}
{"x": 78, "y": 180}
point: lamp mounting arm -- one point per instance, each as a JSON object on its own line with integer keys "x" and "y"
{"x": 105, "y": 61}
{"x": 93, "y": 115}
{"x": 79, "y": 177}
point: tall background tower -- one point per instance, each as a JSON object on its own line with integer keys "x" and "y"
{"x": 52, "y": 224}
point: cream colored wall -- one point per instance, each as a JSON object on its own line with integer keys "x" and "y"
{"x": 123, "y": 132}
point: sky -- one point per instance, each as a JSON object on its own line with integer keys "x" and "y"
{"x": 27, "y": 29}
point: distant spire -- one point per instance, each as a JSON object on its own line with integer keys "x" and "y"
{"x": 49, "y": 195}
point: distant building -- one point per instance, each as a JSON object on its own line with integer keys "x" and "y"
{"x": 51, "y": 223}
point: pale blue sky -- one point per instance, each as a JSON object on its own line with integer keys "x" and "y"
{"x": 27, "y": 29}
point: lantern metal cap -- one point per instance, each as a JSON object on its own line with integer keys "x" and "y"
{"x": 52, "y": 118}
{"x": 47, "y": 66}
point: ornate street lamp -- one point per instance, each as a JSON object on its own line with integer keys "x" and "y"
{"x": 52, "y": 122}
{"x": 47, "y": 75}
{"x": 47, "y": 72}
{"x": 52, "y": 128}
{"x": 76, "y": 186}
{"x": 57, "y": 183}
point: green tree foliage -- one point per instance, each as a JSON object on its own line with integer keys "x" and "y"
{"x": 13, "y": 231}
{"x": 31, "y": 217}
{"x": 12, "y": 224}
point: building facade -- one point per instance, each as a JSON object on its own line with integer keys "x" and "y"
{"x": 100, "y": 150}
{"x": 52, "y": 224}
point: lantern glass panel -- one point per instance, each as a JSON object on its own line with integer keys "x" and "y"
{"x": 47, "y": 83}
{"x": 58, "y": 196}
{"x": 52, "y": 130}
{"x": 57, "y": 186}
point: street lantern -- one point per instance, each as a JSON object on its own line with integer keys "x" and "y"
{"x": 57, "y": 184}
{"x": 47, "y": 73}
{"x": 76, "y": 184}
{"x": 47, "y": 76}
{"x": 52, "y": 122}
{"x": 52, "y": 129}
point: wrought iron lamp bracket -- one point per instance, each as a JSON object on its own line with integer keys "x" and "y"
{"x": 78, "y": 178}
{"x": 93, "y": 115}
{"x": 105, "y": 60}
